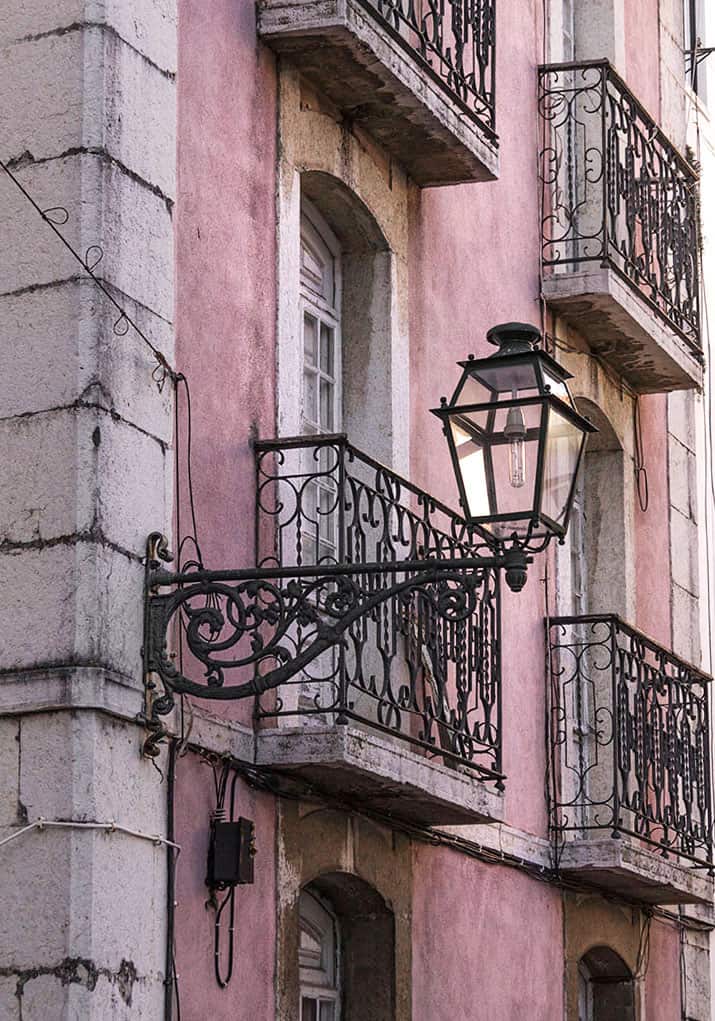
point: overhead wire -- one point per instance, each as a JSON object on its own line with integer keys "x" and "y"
{"x": 124, "y": 321}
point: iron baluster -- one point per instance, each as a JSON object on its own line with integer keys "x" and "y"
{"x": 658, "y": 783}
{"x": 625, "y": 183}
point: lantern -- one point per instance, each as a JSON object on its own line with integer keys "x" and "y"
{"x": 516, "y": 440}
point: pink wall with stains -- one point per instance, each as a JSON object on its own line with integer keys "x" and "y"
{"x": 642, "y": 31}
{"x": 662, "y": 976}
{"x": 500, "y": 954}
{"x": 225, "y": 269}
{"x": 226, "y": 295}
{"x": 488, "y": 940}
{"x": 250, "y": 994}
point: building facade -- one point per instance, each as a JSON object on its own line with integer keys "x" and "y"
{"x": 246, "y": 247}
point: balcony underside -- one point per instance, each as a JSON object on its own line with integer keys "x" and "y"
{"x": 379, "y": 773}
{"x": 623, "y": 329}
{"x": 623, "y": 867}
{"x": 377, "y": 84}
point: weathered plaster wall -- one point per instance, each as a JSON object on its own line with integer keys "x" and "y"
{"x": 652, "y": 534}
{"x": 662, "y": 978}
{"x": 88, "y": 99}
{"x": 225, "y": 270}
{"x": 314, "y": 841}
{"x": 251, "y": 993}
{"x": 490, "y": 943}
{"x": 474, "y": 262}
{"x": 226, "y": 301}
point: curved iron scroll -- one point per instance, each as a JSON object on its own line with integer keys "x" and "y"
{"x": 268, "y": 628}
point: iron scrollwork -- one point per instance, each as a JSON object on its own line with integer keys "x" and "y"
{"x": 630, "y": 739}
{"x": 371, "y": 601}
{"x": 617, "y": 192}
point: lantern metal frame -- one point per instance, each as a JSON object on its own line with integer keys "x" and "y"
{"x": 516, "y": 349}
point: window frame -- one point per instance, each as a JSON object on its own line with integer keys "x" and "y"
{"x": 326, "y": 311}
{"x": 317, "y": 916}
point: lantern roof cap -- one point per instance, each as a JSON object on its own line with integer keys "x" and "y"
{"x": 514, "y": 338}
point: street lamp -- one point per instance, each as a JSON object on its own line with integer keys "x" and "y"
{"x": 516, "y": 441}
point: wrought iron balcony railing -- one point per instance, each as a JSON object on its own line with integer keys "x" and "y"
{"x": 630, "y": 739}
{"x": 616, "y": 192}
{"x": 453, "y": 42}
{"x": 424, "y": 664}
{"x": 417, "y": 75}
{"x": 370, "y": 601}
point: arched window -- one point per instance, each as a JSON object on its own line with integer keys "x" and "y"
{"x": 606, "y": 990}
{"x": 596, "y": 566}
{"x": 318, "y": 960}
{"x": 346, "y": 951}
{"x": 320, "y": 278}
{"x": 321, "y": 356}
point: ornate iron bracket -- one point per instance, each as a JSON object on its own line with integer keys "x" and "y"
{"x": 267, "y": 625}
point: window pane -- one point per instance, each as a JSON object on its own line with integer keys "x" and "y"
{"x": 327, "y": 515}
{"x": 310, "y": 396}
{"x": 557, "y": 387}
{"x": 310, "y": 339}
{"x": 327, "y": 396}
{"x": 327, "y": 1011}
{"x": 327, "y": 342}
{"x": 309, "y": 1009}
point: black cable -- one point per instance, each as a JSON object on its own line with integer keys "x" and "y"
{"x": 182, "y": 380}
{"x": 171, "y": 981}
{"x": 221, "y": 777}
{"x": 269, "y": 780}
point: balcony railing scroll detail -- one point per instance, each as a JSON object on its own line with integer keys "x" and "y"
{"x": 616, "y": 192}
{"x": 371, "y": 601}
{"x": 630, "y": 739}
{"x": 454, "y": 42}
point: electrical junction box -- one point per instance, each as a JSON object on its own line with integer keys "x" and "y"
{"x": 231, "y": 853}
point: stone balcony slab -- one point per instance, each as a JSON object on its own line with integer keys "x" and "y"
{"x": 383, "y": 85}
{"x": 381, "y": 773}
{"x": 624, "y": 867}
{"x": 623, "y": 329}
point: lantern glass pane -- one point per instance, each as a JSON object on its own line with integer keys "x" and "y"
{"x": 563, "y": 447}
{"x": 474, "y": 421}
{"x": 472, "y": 391}
{"x": 557, "y": 386}
{"x": 507, "y": 378}
{"x": 470, "y": 455}
{"x": 514, "y": 462}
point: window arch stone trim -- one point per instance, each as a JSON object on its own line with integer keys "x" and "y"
{"x": 365, "y": 871}
{"x": 364, "y": 199}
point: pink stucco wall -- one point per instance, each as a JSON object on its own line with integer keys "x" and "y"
{"x": 652, "y": 538}
{"x": 250, "y": 995}
{"x": 485, "y": 936}
{"x": 225, "y": 267}
{"x": 473, "y": 264}
{"x": 662, "y": 977}
{"x": 490, "y": 943}
{"x": 225, "y": 327}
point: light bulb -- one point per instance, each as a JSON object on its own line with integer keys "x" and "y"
{"x": 515, "y": 432}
